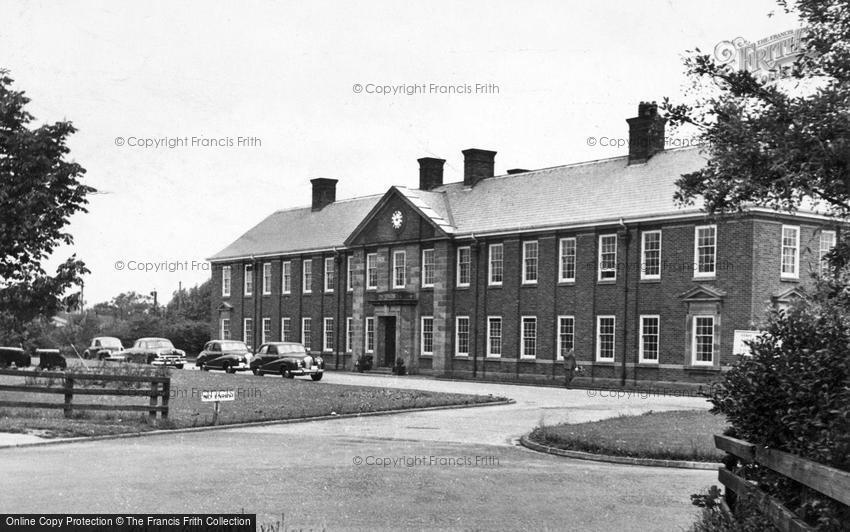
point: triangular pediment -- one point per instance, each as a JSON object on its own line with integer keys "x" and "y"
{"x": 702, "y": 292}
{"x": 403, "y": 214}
{"x": 224, "y": 307}
{"x": 788, "y": 295}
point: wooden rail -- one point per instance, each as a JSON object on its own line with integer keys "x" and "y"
{"x": 832, "y": 482}
{"x": 160, "y": 387}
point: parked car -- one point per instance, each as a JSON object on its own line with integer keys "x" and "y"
{"x": 49, "y": 359}
{"x": 154, "y": 351}
{"x": 103, "y": 347}
{"x": 287, "y": 359}
{"x": 229, "y": 355}
{"x": 14, "y": 355}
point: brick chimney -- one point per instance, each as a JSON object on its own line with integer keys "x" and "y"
{"x": 477, "y": 165}
{"x": 324, "y": 192}
{"x": 430, "y": 173}
{"x": 646, "y": 133}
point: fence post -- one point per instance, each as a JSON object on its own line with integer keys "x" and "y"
{"x": 153, "y": 401}
{"x": 69, "y": 395}
{"x": 166, "y": 392}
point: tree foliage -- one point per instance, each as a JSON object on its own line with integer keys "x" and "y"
{"x": 775, "y": 144}
{"x": 39, "y": 192}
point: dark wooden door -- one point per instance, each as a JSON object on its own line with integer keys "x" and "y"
{"x": 389, "y": 341}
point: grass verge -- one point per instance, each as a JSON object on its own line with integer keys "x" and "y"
{"x": 257, "y": 399}
{"x": 674, "y": 435}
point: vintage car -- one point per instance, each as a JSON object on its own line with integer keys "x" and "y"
{"x": 228, "y": 355}
{"x": 287, "y": 359}
{"x": 14, "y": 355}
{"x": 103, "y": 347}
{"x": 50, "y": 359}
{"x": 154, "y": 351}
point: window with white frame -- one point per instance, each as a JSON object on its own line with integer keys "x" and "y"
{"x": 462, "y": 336}
{"x": 790, "y": 252}
{"x": 266, "y": 334}
{"x": 286, "y": 277}
{"x": 494, "y": 336}
{"x": 827, "y": 242}
{"x": 225, "y": 329}
{"x": 349, "y": 334}
{"x": 399, "y": 269}
{"x": 248, "y": 332}
{"x": 286, "y": 329}
{"x": 371, "y": 271}
{"x": 427, "y": 347}
{"x": 528, "y": 340}
{"x": 225, "y": 281}
{"x": 249, "y": 279}
{"x": 607, "y": 258}
{"x": 703, "y": 340}
{"x": 705, "y": 251}
{"x": 605, "y": 338}
{"x": 463, "y": 266}
{"x": 529, "y": 262}
{"x": 349, "y": 273}
{"x": 307, "y": 333}
{"x": 267, "y": 278}
{"x": 329, "y": 274}
{"x": 370, "y": 335}
{"x": 566, "y": 335}
{"x": 650, "y": 251}
{"x": 307, "y": 278}
{"x": 328, "y": 343}
{"x": 496, "y": 264}
{"x": 567, "y": 260}
{"x": 428, "y": 268}
{"x": 650, "y": 331}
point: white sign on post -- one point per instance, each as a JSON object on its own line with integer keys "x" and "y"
{"x": 739, "y": 347}
{"x": 208, "y": 396}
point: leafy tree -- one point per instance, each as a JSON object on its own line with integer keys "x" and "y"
{"x": 192, "y": 304}
{"x": 39, "y": 191}
{"x": 769, "y": 143}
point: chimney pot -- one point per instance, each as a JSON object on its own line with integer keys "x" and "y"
{"x": 646, "y": 133}
{"x": 324, "y": 192}
{"x": 477, "y": 165}
{"x": 430, "y": 173}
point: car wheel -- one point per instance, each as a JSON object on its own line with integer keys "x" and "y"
{"x": 227, "y": 369}
{"x": 286, "y": 374}
{"x": 257, "y": 372}
{"x": 178, "y": 366}
{"x": 204, "y": 367}
{"x": 316, "y": 376}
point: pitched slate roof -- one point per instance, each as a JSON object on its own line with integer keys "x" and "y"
{"x": 588, "y": 193}
{"x": 301, "y": 229}
{"x": 585, "y": 193}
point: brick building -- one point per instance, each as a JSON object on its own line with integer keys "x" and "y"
{"x": 495, "y": 277}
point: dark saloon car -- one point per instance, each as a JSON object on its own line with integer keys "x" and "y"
{"x": 50, "y": 359}
{"x": 154, "y": 351}
{"x": 103, "y": 347}
{"x": 229, "y": 355}
{"x": 14, "y": 355}
{"x": 287, "y": 359}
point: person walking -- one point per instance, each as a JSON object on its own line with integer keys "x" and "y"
{"x": 569, "y": 367}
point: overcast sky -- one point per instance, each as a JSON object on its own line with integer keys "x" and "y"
{"x": 285, "y": 73}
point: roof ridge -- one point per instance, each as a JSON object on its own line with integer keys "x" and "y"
{"x": 344, "y": 200}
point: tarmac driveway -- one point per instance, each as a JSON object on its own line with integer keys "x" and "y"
{"x": 436, "y": 470}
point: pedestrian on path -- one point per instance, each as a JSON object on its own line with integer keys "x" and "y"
{"x": 569, "y": 367}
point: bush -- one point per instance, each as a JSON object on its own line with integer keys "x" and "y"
{"x": 793, "y": 394}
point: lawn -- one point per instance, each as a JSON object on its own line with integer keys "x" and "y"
{"x": 257, "y": 399}
{"x": 674, "y": 435}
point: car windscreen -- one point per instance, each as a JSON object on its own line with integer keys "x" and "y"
{"x": 290, "y": 350}
{"x": 233, "y": 346}
{"x": 160, "y": 344}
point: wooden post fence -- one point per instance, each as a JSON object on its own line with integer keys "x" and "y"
{"x": 832, "y": 482}
{"x": 69, "y": 391}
